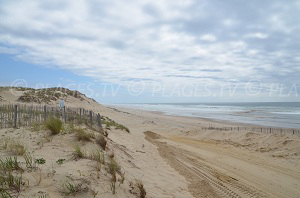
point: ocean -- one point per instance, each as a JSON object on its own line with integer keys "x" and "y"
{"x": 272, "y": 114}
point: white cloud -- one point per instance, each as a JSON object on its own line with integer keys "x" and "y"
{"x": 208, "y": 37}
{"x": 114, "y": 41}
{"x": 257, "y": 35}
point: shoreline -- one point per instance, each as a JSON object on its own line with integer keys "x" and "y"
{"x": 203, "y": 119}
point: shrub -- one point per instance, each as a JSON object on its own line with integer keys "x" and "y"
{"x": 101, "y": 141}
{"x": 54, "y": 125}
{"x": 60, "y": 161}
{"x": 81, "y": 134}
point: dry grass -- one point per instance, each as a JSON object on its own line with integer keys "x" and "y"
{"x": 97, "y": 155}
{"x": 10, "y": 182}
{"x": 16, "y": 147}
{"x": 70, "y": 188}
{"x": 101, "y": 141}
{"x": 78, "y": 152}
{"x": 55, "y": 125}
{"x": 137, "y": 188}
{"x": 29, "y": 161}
{"x": 109, "y": 122}
{"x": 140, "y": 186}
{"x": 83, "y": 135}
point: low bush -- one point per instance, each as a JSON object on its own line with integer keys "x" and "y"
{"x": 55, "y": 125}
{"x": 83, "y": 135}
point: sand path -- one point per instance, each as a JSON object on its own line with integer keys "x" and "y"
{"x": 224, "y": 172}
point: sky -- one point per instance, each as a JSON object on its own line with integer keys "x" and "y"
{"x": 154, "y": 51}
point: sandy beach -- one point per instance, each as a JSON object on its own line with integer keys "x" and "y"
{"x": 211, "y": 163}
{"x": 172, "y": 156}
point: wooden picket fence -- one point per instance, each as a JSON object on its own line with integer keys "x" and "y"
{"x": 18, "y": 115}
{"x": 255, "y": 129}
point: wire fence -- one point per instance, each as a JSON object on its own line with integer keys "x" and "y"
{"x": 18, "y": 115}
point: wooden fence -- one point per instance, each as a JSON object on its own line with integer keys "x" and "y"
{"x": 17, "y": 115}
{"x": 255, "y": 129}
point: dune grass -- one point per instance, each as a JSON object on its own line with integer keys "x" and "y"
{"x": 16, "y": 147}
{"x": 55, "y": 125}
{"x": 29, "y": 161}
{"x": 70, "y": 188}
{"x": 9, "y": 164}
{"x": 83, "y": 135}
{"x": 78, "y": 152}
{"x": 109, "y": 123}
{"x": 97, "y": 155}
{"x": 10, "y": 181}
{"x": 101, "y": 141}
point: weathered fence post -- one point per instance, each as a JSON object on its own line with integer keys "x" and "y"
{"x": 65, "y": 118}
{"x": 99, "y": 120}
{"x": 64, "y": 114}
{"x": 45, "y": 113}
{"x": 15, "y": 116}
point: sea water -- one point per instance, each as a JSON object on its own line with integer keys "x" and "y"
{"x": 273, "y": 114}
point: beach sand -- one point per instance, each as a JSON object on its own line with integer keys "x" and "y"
{"x": 173, "y": 157}
{"x": 213, "y": 163}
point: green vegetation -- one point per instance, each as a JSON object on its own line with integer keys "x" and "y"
{"x": 16, "y": 147}
{"x": 40, "y": 161}
{"x": 83, "y": 135}
{"x": 98, "y": 156}
{"x": 112, "y": 169}
{"x": 109, "y": 123}
{"x": 29, "y": 160}
{"x": 60, "y": 161}
{"x": 9, "y": 164}
{"x": 78, "y": 153}
{"x": 46, "y": 95}
{"x": 72, "y": 189}
{"x": 55, "y": 125}
{"x": 10, "y": 182}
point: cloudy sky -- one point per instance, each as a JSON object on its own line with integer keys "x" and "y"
{"x": 164, "y": 50}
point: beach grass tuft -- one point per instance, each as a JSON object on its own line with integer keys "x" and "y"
{"x": 101, "y": 141}
{"x": 83, "y": 135}
{"x": 55, "y": 125}
{"x": 78, "y": 152}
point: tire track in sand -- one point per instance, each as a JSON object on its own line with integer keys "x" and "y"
{"x": 204, "y": 181}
